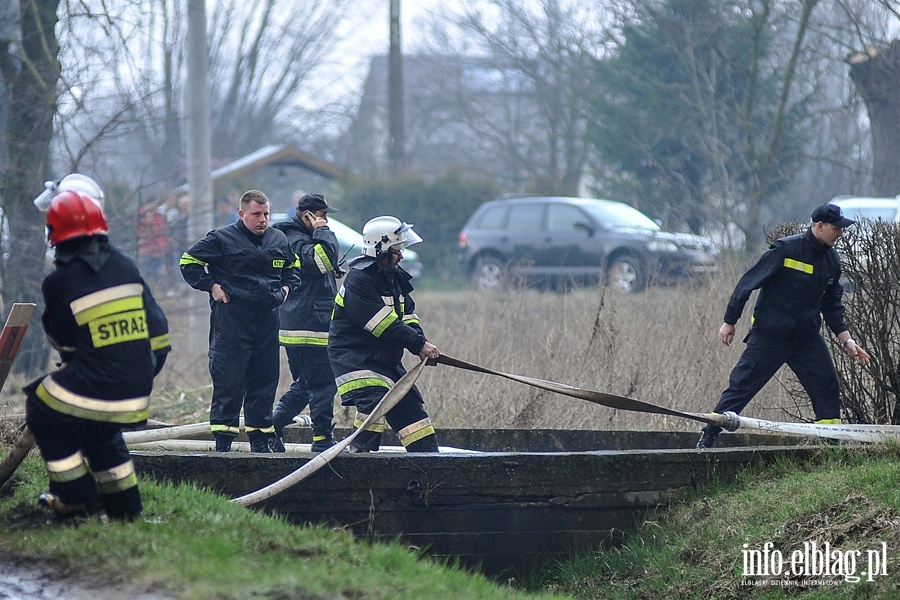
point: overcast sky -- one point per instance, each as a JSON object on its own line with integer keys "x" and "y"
{"x": 366, "y": 34}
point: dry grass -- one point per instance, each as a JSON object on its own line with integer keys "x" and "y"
{"x": 659, "y": 346}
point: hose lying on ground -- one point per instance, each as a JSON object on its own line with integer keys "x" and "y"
{"x": 389, "y": 401}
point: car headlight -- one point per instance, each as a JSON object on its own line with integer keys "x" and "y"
{"x": 662, "y": 246}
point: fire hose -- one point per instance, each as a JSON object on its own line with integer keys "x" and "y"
{"x": 729, "y": 421}
{"x": 389, "y": 401}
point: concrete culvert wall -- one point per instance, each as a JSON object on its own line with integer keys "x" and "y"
{"x": 499, "y": 511}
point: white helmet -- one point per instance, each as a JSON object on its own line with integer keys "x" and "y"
{"x": 75, "y": 182}
{"x": 383, "y": 233}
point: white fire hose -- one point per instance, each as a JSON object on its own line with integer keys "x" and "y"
{"x": 729, "y": 421}
{"x": 390, "y": 400}
{"x": 877, "y": 434}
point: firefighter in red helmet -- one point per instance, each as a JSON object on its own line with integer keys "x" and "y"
{"x": 112, "y": 339}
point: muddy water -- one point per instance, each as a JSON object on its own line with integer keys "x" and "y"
{"x": 19, "y": 581}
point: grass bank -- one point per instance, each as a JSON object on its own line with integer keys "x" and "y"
{"x": 847, "y": 498}
{"x": 193, "y": 544}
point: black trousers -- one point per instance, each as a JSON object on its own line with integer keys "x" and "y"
{"x": 408, "y": 419}
{"x": 313, "y": 385}
{"x": 244, "y": 366}
{"x": 808, "y": 358}
{"x": 87, "y": 461}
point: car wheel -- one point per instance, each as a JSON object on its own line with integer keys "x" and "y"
{"x": 489, "y": 274}
{"x": 625, "y": 275}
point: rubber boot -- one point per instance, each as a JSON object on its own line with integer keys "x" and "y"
{"x": 426, "y": 444}
{"x": 263, "y": 442}
{"x": 125, "y": 505}
{"x": 321, "y": 440}
{"x": 366, "y": 441}
{"x": 280, "y": 420}
{"x": 223, "y": 442}
{"x": 708, "y": 436}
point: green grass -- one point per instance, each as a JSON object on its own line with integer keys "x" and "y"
{"x": 196, "y": 544}
{"x": 848, "y": 497}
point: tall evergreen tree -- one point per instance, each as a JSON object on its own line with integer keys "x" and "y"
{"x": 695, "y": 122}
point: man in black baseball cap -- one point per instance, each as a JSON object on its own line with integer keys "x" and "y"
{"x": 831, "y": 213}
{"x": 315, "y": 203}
{"x": 799, "y": 285}
{"x": 305, "y": 319}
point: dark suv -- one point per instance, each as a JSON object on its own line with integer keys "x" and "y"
{"x": 564, "y": 241}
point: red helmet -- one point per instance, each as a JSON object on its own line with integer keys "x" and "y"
{"x": 73, "y": 215}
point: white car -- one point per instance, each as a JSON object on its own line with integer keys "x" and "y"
{"x": 351, "y": 243}
{"x": 860, "y": 207}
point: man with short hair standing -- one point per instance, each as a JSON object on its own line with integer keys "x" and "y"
{"x": 798, "y": 280}
{"x": 305, "y": 317}
{"x": 248, "y": 269}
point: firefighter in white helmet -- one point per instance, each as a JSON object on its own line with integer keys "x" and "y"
{"x": 374, "y": 321}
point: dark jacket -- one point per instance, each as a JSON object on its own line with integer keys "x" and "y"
{"x": 798, "y": 280}
{"x": 374, "y": 321}
{"x": 306, "y": 314}
{"x": 111, "y": 334}
{"x": 250, "y": 268}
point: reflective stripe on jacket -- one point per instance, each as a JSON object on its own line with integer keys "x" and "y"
{"x": 109, "y": 330}
{"x": 306, "y": 314}
{"x": 798, "y": 280}
{"x": 374, "y": 322}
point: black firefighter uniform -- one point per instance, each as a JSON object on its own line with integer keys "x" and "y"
{"x": 374, "y": 321}
{"x": 799, "y": 283}
{"x": 112, "y": 338}
{"x": 243, "y": 334}
{"x": 305, "y": 318}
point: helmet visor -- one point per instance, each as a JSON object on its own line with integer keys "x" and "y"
{"x": 42, "y": 202}
{"x": 407, "y": 236}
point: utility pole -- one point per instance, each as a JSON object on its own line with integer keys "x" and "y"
{"x": 199, "y": 161}
{"x": 397, "y": 142}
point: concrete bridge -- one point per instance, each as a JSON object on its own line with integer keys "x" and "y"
{"x": 527, "y": 497}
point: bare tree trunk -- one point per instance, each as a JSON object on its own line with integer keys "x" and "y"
{"x": 396, "y": 137}
{"x": 31, "y": 77}
{"x": 877, "y": 77}
{"x": 763, "y": 159}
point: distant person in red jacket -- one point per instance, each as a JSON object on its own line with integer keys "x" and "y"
{"x": 153, "y": 243}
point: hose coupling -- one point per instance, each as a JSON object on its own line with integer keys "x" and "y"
{"x": 732, "y": 421}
